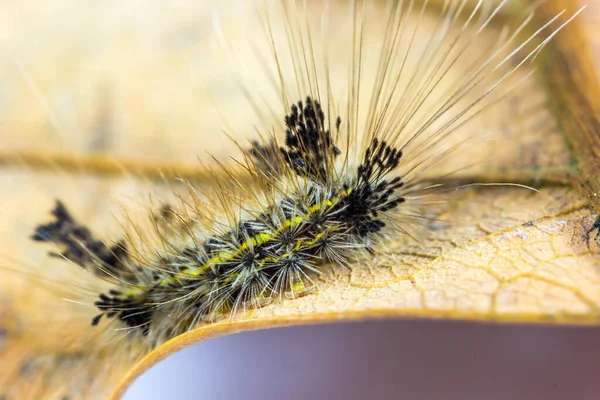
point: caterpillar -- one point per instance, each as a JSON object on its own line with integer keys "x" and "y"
{"x": 329, "y": 180}
{"x": 326, "y": 216}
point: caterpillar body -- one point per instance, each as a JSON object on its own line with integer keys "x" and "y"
{"x": 334, "y": 191}
{"x": 330, "y": 216}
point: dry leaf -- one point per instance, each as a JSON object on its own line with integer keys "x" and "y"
{"x": 129, "y": 89}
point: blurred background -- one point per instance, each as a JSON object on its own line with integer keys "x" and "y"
{"x": 381, "y": 360}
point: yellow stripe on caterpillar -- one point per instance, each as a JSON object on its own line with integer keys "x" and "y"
{"x": 299, "y": 244}
{"x": 256, "y": 240}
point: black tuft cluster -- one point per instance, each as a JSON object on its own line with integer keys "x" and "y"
{"x": 79, "y": 245}
{"x": 130, "y": 311}
{"x": 371, "y": 194}
{"x": 309, "y": 148}
{"x": 266, "y": 157}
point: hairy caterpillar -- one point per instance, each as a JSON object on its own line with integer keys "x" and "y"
{"x": 325, "y": 195}
{"x": 323, "y": 216}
